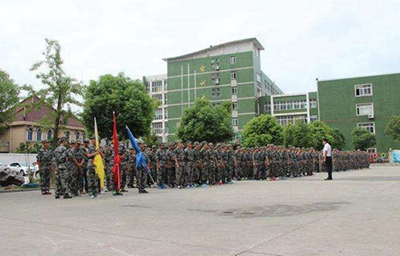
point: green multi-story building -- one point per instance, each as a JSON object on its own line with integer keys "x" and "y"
{"x": 365, "y": 102}
{"x": 289, "y": 108}
{"x": 226, "y": 72}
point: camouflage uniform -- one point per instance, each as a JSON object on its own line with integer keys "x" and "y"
{"x": 205, "y": 163}
{"x": 131, "y": 168}
{"x": 171, "y": 176}
{"x": 196, "y": 164}
{"x": 60, "y": 160}
{"x": 161, "y": 158}
{"x": 108, "y": 158}
{"x": 44, "y": 157}
{"x": 189, "y": 164}
{"x": 180, "y": 170}
{"x": 91, "y": 174}
{"x": 75, "y": 172}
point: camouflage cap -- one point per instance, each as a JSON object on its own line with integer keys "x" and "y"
{"x": 78, "y": 142}
{"x": 92, "y": 137}
{"x": 210, "y": 144}
{"x": 153, "y": 147}
{"x": 139, "y": 141}
{"x": 86, "y": 141}
{"x": 188, "y": 142}
{"x": 61, "y": 139}
{"x": 196, "y": 143}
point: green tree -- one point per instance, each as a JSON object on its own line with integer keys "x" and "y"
{"x": 393, "y": 128}
{"x": 127, "y": 98}
{"x": 263, "y": 130}
{"x": 321, "y": 130}
{"x": 60, "y": 90}
{"x": 362, "y": 139}
{"x": 339, "y": 141}
{"x": 299, "y": 135}
{"x": 8, "y": 100}
{"x": 202, "y": 121}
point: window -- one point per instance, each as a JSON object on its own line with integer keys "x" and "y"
{"x": 165, "y": 99}
{"x": 267, "y": 106}
{"x": 363, "y": 90}
{"x": 165, "y": 85}
{"x": 234, "y": 106}
{"x": 285, "y": 120}
{"x": 157, "y": 128}
{"x": 371, "y": 150}
{"x": 313, "y": 103}
{"x": 84, "y": 136}
{"x": 259, "y": 79}
{"x": 233, "y": 75}
{"x": 216, "y": 92}
{"x": 365, "y": 109}
{"x": 158, "y": 114}
{"x": 67, "y": 135}
{"x": 234, "y": 90}
{"x": 147, "y": 87}
{"x": 369, "y": 126}
{"x": 77, "y": 135}
{"x": 235, "y": 121}
{"x": 49, "y": 133}
{"x": 39, "y": 135}
{"x": 29, "y": 136}
{"x": 156, "y": 86}
{"x": 233, "y": 59}
{"x": 313, "y": 119}
{"x": 165, "y": 113}
{"x": 158, "y": 97}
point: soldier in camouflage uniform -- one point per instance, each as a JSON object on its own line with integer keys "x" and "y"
{"x": 131, "y": 168}
{"x": 151, "y": 157}
{"x": 196, "y": 165}
{"x": 91, "y": 174}
{"x": 75, "y": 157}
{"x": 86, "y": 144}
{"x": 171, "y": 176}
{"x": 230, "y": 163}
{"x": 161, "y": 160}
{"x": 212, "y": 179}
{"x": 180, "y": 165}
{"x": 204, "y": 164}
{"x": 189, "y": 164}
{"x": 43, "y": 159}
{"x": 124, "y": 154}
{"x": 60, "y": 160}
{"x": 220, "y": 168}
{"x": 108, "y": 157}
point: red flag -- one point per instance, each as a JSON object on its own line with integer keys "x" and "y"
{"x": 117, "y": 159}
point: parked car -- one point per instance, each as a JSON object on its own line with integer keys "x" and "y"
{"x": 3, "y": 167}
{"x": 35, "y": 169}
{"x": 21, "y": 167}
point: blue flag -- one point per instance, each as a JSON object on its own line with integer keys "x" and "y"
{"x": 140, "y": 158}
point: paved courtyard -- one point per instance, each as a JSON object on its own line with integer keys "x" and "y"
{"x": 358, "y": 213}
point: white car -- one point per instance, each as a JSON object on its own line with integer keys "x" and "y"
{"x": 35, "y": 169}
{"x": 20, "y": 167}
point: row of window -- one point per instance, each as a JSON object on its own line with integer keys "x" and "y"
{"x": 156, "y": 86}
{"x": 292, "y": 104}
{"x": 49, "y": 135}
{"x": 157, "y": 128}
{"x": 159, "y": 114}
{"x": 232, "y": 60}
{"x": 365, "y": 109}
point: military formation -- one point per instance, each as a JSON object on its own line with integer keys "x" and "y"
{"x": 179, "y": 165}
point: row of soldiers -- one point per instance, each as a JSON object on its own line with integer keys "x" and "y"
{"x": 203, "y": 164}
{"x": 179, "y": 165}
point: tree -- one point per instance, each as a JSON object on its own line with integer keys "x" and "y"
{"x": 203, "y": 122}
{"x": 321, "y": 130}
{"x": 393, "y": 128}
{"x": 60, "y": 90}
{"x": 263, "y": 130}
{"x": 127, "y": 98}
{"x": 8, "y": 100}
{"x": 339, "y": 141}
{"x": 299, "y": 135}
{"x": 362, "y": 139}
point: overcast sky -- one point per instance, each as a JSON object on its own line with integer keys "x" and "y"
{"x": 303, "y": 39}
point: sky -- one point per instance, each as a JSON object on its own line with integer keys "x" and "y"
{"x": 303, "y": 40}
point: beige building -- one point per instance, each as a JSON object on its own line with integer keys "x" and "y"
{"x": 26, "y": 128}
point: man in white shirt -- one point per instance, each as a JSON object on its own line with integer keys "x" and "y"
{"x": 327, "y": 153}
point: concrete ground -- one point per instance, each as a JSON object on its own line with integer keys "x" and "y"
{"x": 358, "y": 213}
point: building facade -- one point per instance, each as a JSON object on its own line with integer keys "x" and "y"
{"x": 290, "y": 108}
{"x": 26, "y": 127}
{"x": 156, "y": 86}
{"x": 226, "y": 72}
{"x": 361, "y": 102}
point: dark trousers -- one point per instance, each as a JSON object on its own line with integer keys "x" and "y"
{"x": 328, "y": 163}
